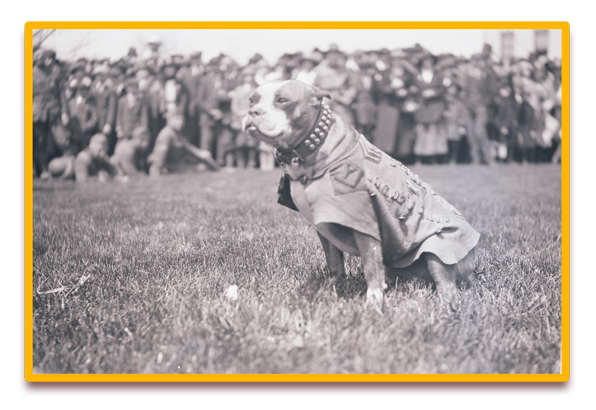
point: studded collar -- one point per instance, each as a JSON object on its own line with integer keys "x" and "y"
{"x": 311, "y": 141}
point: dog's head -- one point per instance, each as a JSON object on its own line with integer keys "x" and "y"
{"x": 282, "y": 112}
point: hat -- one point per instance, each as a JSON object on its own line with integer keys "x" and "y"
{"x": 426, "y": 55}
{"x": 257, "y": 57}
{"x": 114, "y": 71}
{"x": 398, "y": 53}
{"x": 310, "y": 57}
{"x": 177, "y": 59}
{"x": 144, "y": 71}
{"x": 100, "y": 69}
{"x": 196, "y": 56}
{"x": 334, "y": 48}
{"x": 130, "y": 82}
{"x": 154, "y": 39}
{"x": 43, "y": 53}
{"x": 487, "y": 49}
{"x": 77, "y": 66}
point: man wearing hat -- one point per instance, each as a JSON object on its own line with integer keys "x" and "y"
{"x": 94, "y": 161}
{"x": 175, "y": 93}
{"x": 173, "y": 152}
{"x": 132, "y": 111}
{"x": 210, "y": 85}
{"x": 49, "y": 108}
{"x": 333, "y": 77}
{"x": 189, "y": 75}
{"x": 130, "y": 156}
{"x": 152, "y": 56}
{"x": 103, "y": 89}
{"x": 305, "y": 70}
{"x": 76, "y": 72}
{"x": 479, "y": 93}
{"x": 82, "y": 112}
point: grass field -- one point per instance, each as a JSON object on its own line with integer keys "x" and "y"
{"x": 132, "y": 279}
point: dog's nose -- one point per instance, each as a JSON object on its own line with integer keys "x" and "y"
{"x": 256, "y": 111}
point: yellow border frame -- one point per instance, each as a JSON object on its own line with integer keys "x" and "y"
{"x": 29, "y": 376}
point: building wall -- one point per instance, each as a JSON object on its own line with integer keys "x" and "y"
{"x": 524, "y": 42}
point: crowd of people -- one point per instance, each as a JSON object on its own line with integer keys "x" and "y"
{"x": 155, "y": 114}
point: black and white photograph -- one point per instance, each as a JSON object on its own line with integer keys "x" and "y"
{"x": 299, "y": 201}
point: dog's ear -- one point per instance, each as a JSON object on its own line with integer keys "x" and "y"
{"x": 318, "y": 95}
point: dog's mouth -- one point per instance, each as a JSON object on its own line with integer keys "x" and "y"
{"x": 250, "y": 127}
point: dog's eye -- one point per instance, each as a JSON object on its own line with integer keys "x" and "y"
{"x": 282, "y": 100}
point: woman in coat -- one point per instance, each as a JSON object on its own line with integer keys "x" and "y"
{"x": 431, "y": 127}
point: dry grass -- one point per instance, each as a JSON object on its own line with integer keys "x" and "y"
{"x": 139, "y": 274}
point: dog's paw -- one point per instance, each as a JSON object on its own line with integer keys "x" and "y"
{"x": 374, "y": 299}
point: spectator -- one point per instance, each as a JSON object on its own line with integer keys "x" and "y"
{"x": 305, "y": 70}
{"x": 175, "y": 93}
{"x": 132, "y": 111}
{"x": 173, "y": 153}
{"x": 49, "y": 109}
{"x": 151, "y": 92}
{"x": 431, "y": 133}
{"x": 207, "y": 104}
{"x": 387, "y": 79}
{"x": 152, "y": 56}
{"x": 477, "y": 96}
{"x": 341, "y": 83}
{"x": 94, "y": 161}
{"x": 130, "y": 157}
{"x": 189, "y": 76}
{"x": 103, "y": 90}
{"x": 457, "y": 118}
{"x": 82, "y": 112}
{"x": 245, "y": 146}
{"x": 363, "y": 104}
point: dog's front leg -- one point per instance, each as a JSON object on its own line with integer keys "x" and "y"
{"x": 374, "y": 271}
{"x": 335, "y": 261}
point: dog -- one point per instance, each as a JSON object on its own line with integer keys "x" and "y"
{"x": 359, "y": 199}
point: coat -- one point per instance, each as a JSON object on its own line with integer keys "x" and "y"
{"x": 130, "y": 117}
{"x": 370, "y": 192}
{"x": 48, "y": 103}
{"x": 83, "y": 120}
{"x": 107, "y": 102}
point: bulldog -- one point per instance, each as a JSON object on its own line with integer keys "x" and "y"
{"x": 359, "y": 199}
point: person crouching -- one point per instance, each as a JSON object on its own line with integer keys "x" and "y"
{"x": 173, "y": 153}
{"x": 130, "y": 155}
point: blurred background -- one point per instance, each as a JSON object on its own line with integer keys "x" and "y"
{"x": 120, "y": 103}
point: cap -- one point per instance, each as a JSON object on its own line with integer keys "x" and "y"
{"x": 100, "y": 69}
{"x": 43, "y": 53}
{"x": 154, "y": 39}
{"x": 196, "y": 56}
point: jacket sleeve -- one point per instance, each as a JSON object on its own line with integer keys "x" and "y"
{"x": 120, "y": 112}
{"x": 144, "y": 121}
{"x": 91, "y": 116}
{"x": 112, "y": 107}
{"x": 206, "y": 95}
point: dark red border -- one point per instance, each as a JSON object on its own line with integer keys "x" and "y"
{"x": 293, "y": 389}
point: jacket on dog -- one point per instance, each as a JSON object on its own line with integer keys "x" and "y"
{"x": 370, "y": 192}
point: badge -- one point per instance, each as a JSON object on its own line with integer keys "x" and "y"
{"x": 347, "y": 177}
